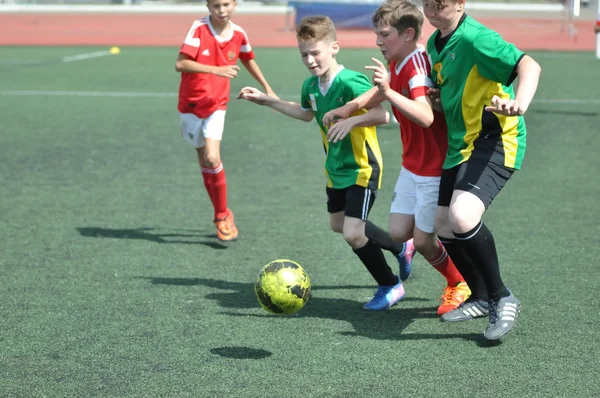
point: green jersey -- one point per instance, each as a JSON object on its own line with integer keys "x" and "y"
{"x": 471, "y": 66}
{"x": 356, "y": 159}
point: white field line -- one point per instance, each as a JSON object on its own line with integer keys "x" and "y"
{"x": 69, "y": 58}
{"x": 287, "y": 97}
{"x": 81, "y": 57}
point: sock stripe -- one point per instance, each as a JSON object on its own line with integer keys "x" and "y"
{"x": 468, "y": 235}
{"x": 440, "y": 259}
{"x": 216, "y": 170}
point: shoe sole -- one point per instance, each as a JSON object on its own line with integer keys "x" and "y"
{"x": 463, "y": 319}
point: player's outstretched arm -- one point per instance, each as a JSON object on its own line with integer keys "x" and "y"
{"x": 373, "y": 117}
{"x": 529, "y": 75}
{"x": 291, "y": 109}
{"x": 368, "y": 99}
{"x": 185, "y": 64}
{"x": 256, "y": 73}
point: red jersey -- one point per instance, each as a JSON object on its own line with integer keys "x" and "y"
{"x": 423, "y": 149}
{"x": 204, "y": 93}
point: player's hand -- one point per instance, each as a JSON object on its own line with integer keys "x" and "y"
{"x": 228, "y": 71}
{"x": 434, "y": 95}
{"x": 507, "y": 107}
{"x": 335, "y": 115}
{"x": 253, "y": 95}
{"x": 340, "y": 130}
{"x": 381, "y": 77}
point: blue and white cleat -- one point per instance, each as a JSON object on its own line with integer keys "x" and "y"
{"x": 385, "y": 297}
{"x": 405, "y": 259}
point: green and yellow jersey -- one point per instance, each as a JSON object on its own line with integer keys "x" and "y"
{"x": 470, "y": 66}
{"x": 355, "y": 160}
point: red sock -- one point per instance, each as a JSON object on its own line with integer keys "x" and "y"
{"x": 444, "y": 265}
{"x": 216, "y": 186}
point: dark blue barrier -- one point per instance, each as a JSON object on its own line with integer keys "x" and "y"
{"x": 344, "y": 14}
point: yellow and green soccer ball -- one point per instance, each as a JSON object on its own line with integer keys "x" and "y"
{"x": 282, "y": 287}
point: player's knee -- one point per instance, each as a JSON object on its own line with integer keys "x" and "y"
{"x": 462, "y": 220}
{"x": 211, "y": 160}
{"x": 425, "y": 244}
{"x": 336, "y": 227}
{"x": 355, "y": 238}
{"x": 399, "y": 234}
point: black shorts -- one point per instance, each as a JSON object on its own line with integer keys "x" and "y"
{"x": 355, "y": 201}
{"x": 482, "y": 179}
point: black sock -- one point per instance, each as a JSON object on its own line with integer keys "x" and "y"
{"x": 372, "y": 257}
{"x": 465, "y": 266}
{"x": 384, "y": 240}
{"x": 479, "y": 245}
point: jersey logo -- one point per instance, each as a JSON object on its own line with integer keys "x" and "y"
{"x": 231, "y": 55}
{"x": 452, "y": 56}
{"x": 313, "y": 102}
{"x": 438, "y": 69}
{"x": 206, "y": 52}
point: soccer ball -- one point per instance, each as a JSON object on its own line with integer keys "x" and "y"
{"x": 282, "y": 287}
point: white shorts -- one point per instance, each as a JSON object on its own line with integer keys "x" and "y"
{"x": 194, "y": 130}
{"x": 418, "y": 196}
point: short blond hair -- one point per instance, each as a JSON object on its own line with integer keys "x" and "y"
{"x": 316, "y": 28}
{"x": 400, "y": 14}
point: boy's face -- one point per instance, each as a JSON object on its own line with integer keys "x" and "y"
{"x": 318, "y": 55}
{"x": 394, "y": 45}
{"x": 442, "y": 16}
{"x": 221, "y": 10}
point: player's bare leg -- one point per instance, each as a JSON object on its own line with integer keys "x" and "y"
{"x": 336, "y": 222}
{"x": 401, "y": 230}
{"x": 209, "y": 157}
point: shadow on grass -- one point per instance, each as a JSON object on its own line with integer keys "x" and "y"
{"x": 379, "y": 325}
{"x": 241, "y": 352}
{"x": 152, "y": 235}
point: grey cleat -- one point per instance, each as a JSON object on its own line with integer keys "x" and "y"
{"x": 470, "y": 309}
{"x": 503, "y": 316}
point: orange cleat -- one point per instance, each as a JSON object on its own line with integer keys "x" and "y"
{"x": 452, "y": 297}
{"x": 226, "y": 229}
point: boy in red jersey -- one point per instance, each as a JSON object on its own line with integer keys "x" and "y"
{"x": 398, "y": 25}
{"x": 207, "y": 60}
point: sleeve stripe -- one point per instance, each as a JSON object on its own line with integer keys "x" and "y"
{"x": 190, "y": 40}
{"x": 420, "y": 63}
{"x": 245, "y": 48}
{"x": 417, "y": 64}
{"x": 420, "y": 81}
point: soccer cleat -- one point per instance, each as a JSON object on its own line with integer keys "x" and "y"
{"x": 405, "y": 259}
{"x": 385, "y": 297}
{"x": 470, "y": 309}
{"x": 453, "y": 297}
{"x": 503, "y": 316}
{"x": 226, "y": 229}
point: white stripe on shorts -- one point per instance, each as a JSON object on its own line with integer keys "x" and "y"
{"x": 366, "y": 201}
